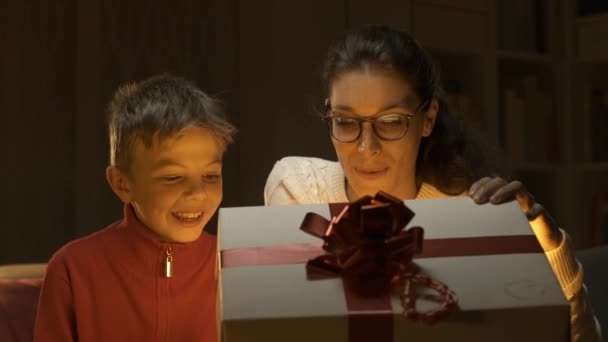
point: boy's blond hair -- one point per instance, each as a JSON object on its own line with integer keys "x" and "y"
{"x": 161, "y": 106}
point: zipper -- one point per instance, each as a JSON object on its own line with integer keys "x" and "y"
{"x": 169, "y": 263}
{"x": 163, "y": 315}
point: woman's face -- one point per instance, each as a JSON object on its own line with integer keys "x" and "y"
{"x": 370, "y": 163}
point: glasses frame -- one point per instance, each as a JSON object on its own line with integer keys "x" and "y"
{"x": 360, "y": 121}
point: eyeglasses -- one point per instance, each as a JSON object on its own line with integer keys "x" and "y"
{"x": 388, "y": 127}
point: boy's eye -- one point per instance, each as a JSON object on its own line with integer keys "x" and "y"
{"x": 172, "y": 179}
{"x": 212, "y": 178}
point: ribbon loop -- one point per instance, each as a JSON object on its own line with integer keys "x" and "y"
{"x": 368, "y": 246}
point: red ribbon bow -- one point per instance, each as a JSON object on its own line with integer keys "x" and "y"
{"x": 368, "y": 246}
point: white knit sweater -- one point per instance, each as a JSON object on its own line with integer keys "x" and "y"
{"x": 304, "y": 180}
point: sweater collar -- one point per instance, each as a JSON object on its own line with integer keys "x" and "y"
{"x": 149, "y": 252}
{"x": 426, "y": 190}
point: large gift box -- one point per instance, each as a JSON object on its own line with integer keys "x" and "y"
{"x": 487, "y": 255}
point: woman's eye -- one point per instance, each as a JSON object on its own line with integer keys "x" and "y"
{"x": 391, "y": 120}
{"x": 344, "y": 121}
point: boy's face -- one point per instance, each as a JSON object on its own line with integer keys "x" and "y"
{"x": 175, "y": 186}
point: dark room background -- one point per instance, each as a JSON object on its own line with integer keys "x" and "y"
{"x": 530, "y": 74}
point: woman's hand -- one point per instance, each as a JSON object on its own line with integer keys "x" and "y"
{"x": 497, "y": 190}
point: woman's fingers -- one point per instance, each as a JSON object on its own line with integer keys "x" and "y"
{"x": 498, "y": 190}
{"x": 507, "y": 192}
{"x": 477, "y": 184}
{"x": 535, "y": 211}
{"x": 518, "y": 191}
{"x": 483, "y": 191}
{"x": 526, "y": 200}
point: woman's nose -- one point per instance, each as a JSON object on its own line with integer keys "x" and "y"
{"x": 368, "y": 141}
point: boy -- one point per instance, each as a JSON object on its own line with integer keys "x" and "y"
{"x": 151, "y": 275}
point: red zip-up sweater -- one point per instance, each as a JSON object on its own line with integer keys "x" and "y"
{"x": 112, "y": 286}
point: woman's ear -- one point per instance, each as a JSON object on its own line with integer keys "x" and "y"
{"x": 430, "y": 116}
{"x": 119, "y": 183}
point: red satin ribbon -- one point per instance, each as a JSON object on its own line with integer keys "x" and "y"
{"x": 300, "y": 253}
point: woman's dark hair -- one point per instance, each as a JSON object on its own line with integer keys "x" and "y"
{"x": 451, "y": 158}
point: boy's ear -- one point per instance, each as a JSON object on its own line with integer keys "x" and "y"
{"x": 119, "y": 183}
{"x": 430, "y": 116}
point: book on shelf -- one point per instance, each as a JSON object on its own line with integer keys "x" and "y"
{"x": 584, "y": 124}
{"x": 529, "y": 25}
{"x": 462, "y": 102}
{"x": 530, "y": 122}
{"x": 599, "y": 228}
{"x": 599, "y": 123}
{"x": 513, "y": 105}
{"x": 594, "y": 119}
{"x": 519, "y": 37}
{"x": 551, "y": 26}
{"x": 591, "y": 33}
{"x": 591, "y": 7}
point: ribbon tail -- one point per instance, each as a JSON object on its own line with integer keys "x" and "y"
{"x": 322, "y": 267}
{"x": 408, "y": 285}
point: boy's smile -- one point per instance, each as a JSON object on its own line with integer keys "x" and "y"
{"x": 188, "y": 218}
{"x": 175, "y": 185}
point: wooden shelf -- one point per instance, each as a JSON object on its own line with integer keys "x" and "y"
{"x": 468, "y": 5}
{"x": 592, "y": 166}
{"x": 528, "y": 57}
{"x": 590, "y": 48}
{"x": 591, "y": 61}
{"x": 540, "y": 167}
{"x": 592, "y": 19}
{"x": 439, "y": 51}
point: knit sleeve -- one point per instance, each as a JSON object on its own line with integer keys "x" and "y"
{"x": 567, "y": 269}
{"x": 569, "y": 272}
{"x": 298, "y": 180}
{"x": 275, "y": 190}
{"x": 279, "y": 196}
{"x": 55, "y": 319}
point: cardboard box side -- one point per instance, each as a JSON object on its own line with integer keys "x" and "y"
{"x": 548, "y": 323}
{"x": 539, "y": 324}
{"x": 332, "y": 329}
{"x": 481, "y": 283}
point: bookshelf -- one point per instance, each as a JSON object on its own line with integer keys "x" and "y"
{"x": 533, "y": 76}
{"x": 526, "y": 57}
{"x": 590, "y": 112}
{"x": 593, "y": 166}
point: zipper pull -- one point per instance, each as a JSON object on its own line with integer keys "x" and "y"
{"x": 169, "y": 263}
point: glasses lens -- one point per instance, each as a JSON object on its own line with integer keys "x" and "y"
{"x": 392, "y": 126}
{"x": 344, "y": 129}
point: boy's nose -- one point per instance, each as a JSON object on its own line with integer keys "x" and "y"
{"x": 368, "y": 141}
{"x": 197, "y": 189}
